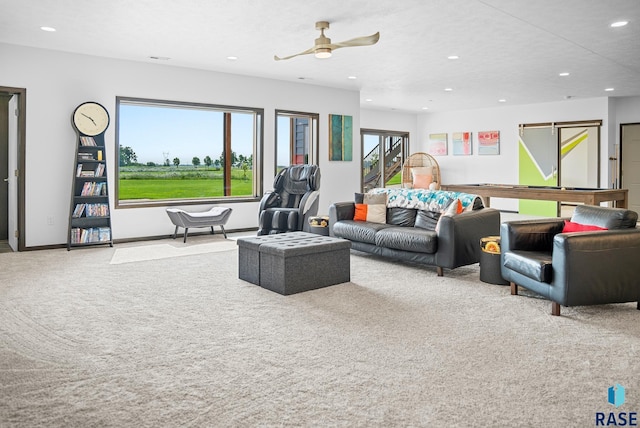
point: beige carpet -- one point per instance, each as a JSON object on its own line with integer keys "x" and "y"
{"x": 147, "y": 252}
{"x": 181, "y": 342}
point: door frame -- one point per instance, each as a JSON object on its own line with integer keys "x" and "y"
{"x": 618, "y": 157}
{"x": 382, "y": 136}
{"x": 21, "y": 93}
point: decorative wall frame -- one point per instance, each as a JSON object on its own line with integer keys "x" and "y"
{"x": 340, "y": 138}
{"x": 489, "y": 142}
{"x": 438, "y": 144}
{"x": 462, "y": 143}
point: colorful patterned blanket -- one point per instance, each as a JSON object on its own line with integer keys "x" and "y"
{"x": 423, "y": 199}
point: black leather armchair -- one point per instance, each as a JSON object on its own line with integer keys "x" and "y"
{"x": 293, "y": 200}
{"x": 575, "y": 269}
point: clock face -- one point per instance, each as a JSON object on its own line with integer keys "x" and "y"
{"x": 91, "y": 118}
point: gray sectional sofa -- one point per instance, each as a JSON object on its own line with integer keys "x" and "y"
{"x": 409, "y": 232}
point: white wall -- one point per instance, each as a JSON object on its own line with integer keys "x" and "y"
{"x": 503, "y": 168}
{"x": 56, "y": 82}
{"x": 391, "y": 121}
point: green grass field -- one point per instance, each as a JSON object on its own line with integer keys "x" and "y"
{"x": 186, "y": 182}
{"x": 141, "y": 182}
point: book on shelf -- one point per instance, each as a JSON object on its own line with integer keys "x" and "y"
{"x": 87, "y": 174}
{"x": 91, "y": 210}
{"x": 99, "y": 172}
{"x": 85, "y": 156}
{"x": 91, "y": 188}
{"x": 79, "y": 210}
{"x": 85, "y": 140}
{"x": 90, "y": 235}
{"x": 79, "y": 170}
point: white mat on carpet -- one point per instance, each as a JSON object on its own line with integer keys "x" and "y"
{"x": 164, "y": 251}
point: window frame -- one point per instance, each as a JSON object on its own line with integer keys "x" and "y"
{"x": 258, "y": 150}
{"x": 314, "y": 133}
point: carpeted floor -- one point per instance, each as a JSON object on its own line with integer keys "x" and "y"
{"x": 182, "y": 342}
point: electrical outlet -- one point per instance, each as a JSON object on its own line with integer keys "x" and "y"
{"x": 50, "y": 221}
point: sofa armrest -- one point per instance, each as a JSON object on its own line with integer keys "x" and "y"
{"x": 596, "y": 267}
{"x": 530, "y": 235}
{"x": 340, "y": 211}
{"x": 459, "y": 236}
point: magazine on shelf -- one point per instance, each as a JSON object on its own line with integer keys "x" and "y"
{"x": 87, "y": 141}
{"x": 99, "y": 172}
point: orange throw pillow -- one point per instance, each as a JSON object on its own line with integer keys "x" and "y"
{"x": 375, "y": 213}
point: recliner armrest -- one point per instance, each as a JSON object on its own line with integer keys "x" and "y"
{"x": 269, "y": 200}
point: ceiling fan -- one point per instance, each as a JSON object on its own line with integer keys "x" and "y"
{"x": 323, "y": 46}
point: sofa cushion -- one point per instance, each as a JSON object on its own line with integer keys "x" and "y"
{"x": 570, "y": 226}
{"x": 375, "y": 213}
{"x": 422, "y": 177}
{"x": 426, "y": 219}
{"x": 610, "y": 218}
{"x": 408, "y": 239}
{"x": 401, "y": 216}
{"x": 359, "y": 231}
{"x": 533, "y": 264}
{"x": 370, "y": 198}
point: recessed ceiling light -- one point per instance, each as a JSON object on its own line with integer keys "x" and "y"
{"x": 502, "y": 100}
{"x": 352, "y": 77}
{"x": 563, "y": 74}
{"x": 368, "y": 100}
{"x": 453, "y": 57}
{"x": 619, "y": 24}
{"x": 232, "y": 58}
{"x": 160, "y": 58}
{"x": 50, "y": 29}
{"x": 609, "y": 89}
{"x": 425, "y": 108}
{"x": 448, "y": 89}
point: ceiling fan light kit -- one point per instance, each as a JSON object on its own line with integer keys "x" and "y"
{"x": 323, "y": 53}
{"x": 323, "y": 47}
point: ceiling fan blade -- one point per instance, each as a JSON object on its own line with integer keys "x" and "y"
{"x": 307, "y": 52}
{"x": 358, "y": 41}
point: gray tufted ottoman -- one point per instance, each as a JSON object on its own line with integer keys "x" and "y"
{"x": 289, "y": 263}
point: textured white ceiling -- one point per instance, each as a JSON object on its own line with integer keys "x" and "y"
{"x": 509, "y": 49}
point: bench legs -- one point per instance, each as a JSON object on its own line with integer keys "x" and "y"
{"x": 514, "y": 288}
{"x": 186, "y": 231}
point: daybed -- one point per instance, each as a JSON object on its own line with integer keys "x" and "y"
{"x": 416, "y": 225}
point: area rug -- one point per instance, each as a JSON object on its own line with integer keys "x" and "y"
{"x": 164, "y": 251}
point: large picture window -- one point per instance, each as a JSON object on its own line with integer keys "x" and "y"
{"x": 173, "y": 151}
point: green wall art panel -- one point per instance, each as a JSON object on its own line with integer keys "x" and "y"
{"x": 531, "y": 174}
{"x": 340, "y": 138}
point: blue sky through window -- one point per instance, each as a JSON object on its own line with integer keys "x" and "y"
{"x": 156, "y": 133}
